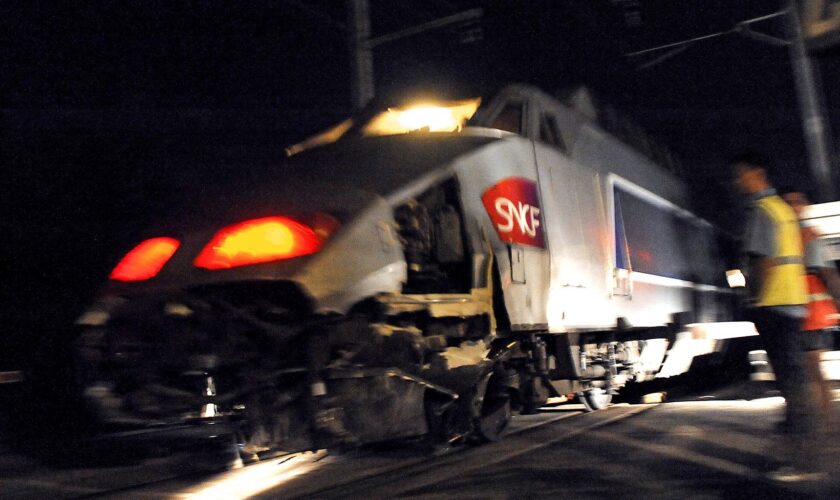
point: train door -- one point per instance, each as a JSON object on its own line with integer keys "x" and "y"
{"x": 570, "y": 210}
{"x": 500, "y": 188}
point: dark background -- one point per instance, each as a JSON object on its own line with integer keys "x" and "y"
{"x": 112, "y": 110}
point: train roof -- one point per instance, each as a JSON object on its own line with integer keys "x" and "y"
{"x": 577, "y": 105}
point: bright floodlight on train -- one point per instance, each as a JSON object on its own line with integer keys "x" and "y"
{"x": 427, "y": 117}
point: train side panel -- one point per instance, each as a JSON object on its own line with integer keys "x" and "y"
{"x": 607, "y": 229}
{"x": 666, "y": 253}
{"x": 644, "y": 262}
{"x": 522, "y": 268}
{"x": 578, "y": 242}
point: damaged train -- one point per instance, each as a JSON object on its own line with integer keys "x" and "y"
{"x": 418, "y": 271}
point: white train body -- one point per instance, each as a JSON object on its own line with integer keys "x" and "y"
{"x": 437, "y": 281}
{"x": 615, "y": 238}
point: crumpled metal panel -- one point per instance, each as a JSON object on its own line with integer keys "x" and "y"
{"x": 379, "y": 405}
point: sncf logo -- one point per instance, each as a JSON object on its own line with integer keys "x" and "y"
{"x": 514, "y": 208}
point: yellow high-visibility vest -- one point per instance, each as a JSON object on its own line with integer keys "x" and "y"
{"x": 785, "y": 281}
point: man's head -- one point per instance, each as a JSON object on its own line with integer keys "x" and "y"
{"x": 797, "y": 199}
{"x": 750, "y": 171}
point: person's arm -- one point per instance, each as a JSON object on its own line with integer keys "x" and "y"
{"x": 760, "y": 247}
{"x": 759, "y": 271}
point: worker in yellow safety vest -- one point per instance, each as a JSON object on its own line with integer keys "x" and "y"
{"x": 777, "y": 288}
{"x": 818, "y": 328}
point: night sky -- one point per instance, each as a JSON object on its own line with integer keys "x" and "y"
{"x": 111, "y": 110}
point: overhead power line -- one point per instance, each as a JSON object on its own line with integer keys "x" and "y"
{"x": 681, "y": 42}
{"x": 740, "y": 27}
{"x": 814, "y": 123}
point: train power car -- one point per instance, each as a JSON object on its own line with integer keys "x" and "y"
{"x": 418, "y": 271}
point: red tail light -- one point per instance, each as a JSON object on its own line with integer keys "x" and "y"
{"x": 145, "y": 260}
{"x": 259, "y": 240}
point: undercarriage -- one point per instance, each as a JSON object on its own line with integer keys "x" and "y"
{"x": 254, "y": 357}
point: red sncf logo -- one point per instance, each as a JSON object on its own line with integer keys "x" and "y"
{"x": 514, "y": 208}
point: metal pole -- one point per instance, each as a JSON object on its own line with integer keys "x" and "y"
{"x": 362, "y": 60}
{"x": 819, "y": 159}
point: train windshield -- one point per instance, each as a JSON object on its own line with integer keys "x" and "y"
{"x": 429, "y": 116}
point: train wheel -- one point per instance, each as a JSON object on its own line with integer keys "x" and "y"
{"x": 492, "y": 412}
{"x": 494, "y": 421}
{"x": 595, "y": 398}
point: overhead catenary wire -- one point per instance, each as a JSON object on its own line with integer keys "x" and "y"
{"x": 671, "y": 53}
{"x": 737, "y": 28}
{"x": 814, "y": 124}
{"x": 681, "y": 42}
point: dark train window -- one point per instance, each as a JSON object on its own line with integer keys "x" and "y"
{"x": 550, "y": 132}
{"x": 663, "y": 241}
{"x": 510, "y": 118}
{"x": 652, "y": 237}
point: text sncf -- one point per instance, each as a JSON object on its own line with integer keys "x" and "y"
{"x": 513, "y": 207}
{"x": 525, "y": 216}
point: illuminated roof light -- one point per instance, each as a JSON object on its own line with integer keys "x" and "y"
{"x": 435, "y": 119}
{"x": 257, "y": 241}
{"x": 445, "y": 117}
{"x": 145, "y": 260}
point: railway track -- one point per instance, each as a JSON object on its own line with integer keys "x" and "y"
{"x": 375, "y": 473}
{"x": 403, "y": 478}
{"x": 391, "y": 472}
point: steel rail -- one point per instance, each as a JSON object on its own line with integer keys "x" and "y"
{"x": 396, "y": 479}
{"x": 411, "y": 473}
{"x": 392, "y": 468}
